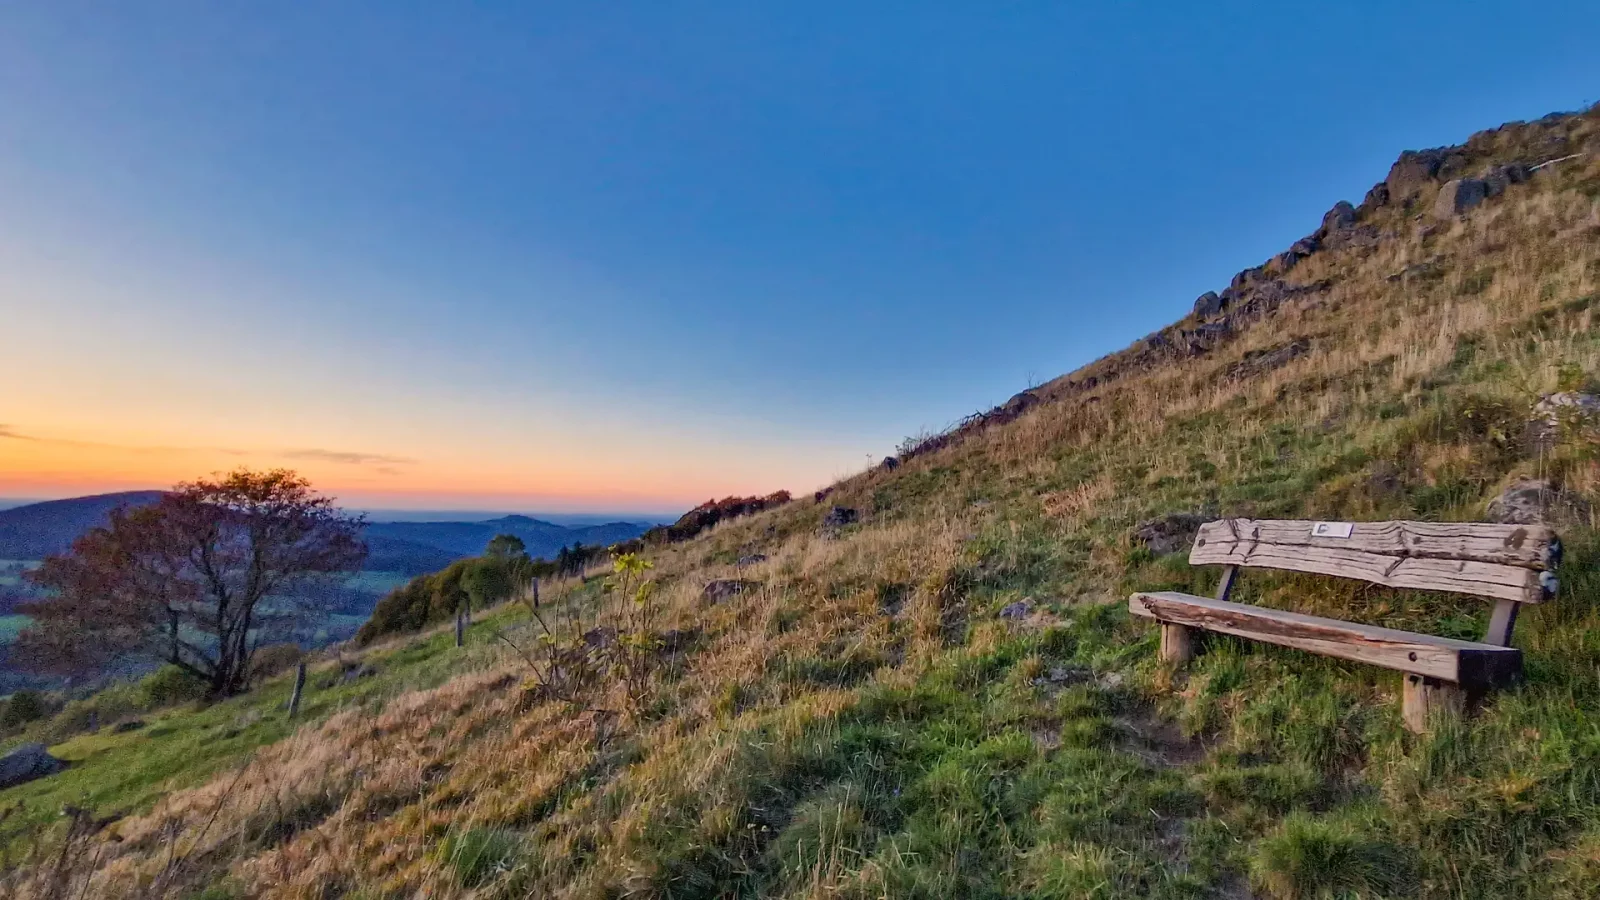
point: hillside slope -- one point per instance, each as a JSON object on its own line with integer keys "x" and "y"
{"x": 946, "y": 698}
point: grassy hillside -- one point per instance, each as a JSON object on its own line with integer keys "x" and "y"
{"x": 947, "y": 697}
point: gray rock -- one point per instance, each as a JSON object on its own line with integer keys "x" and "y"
{"x": 1458, "y": 196}
{"x": 752, "y": 559}
{"x": 1017, "y": 610}
{"x": 125, "y": 727}
{"x": 840, "y": 516}
{"x": 890, "y": 463}
{"x": 1570, "y": 405}
{"x": 26, "y": 763}
{"x": 1530, "y": 501}
{"x": 727, "y": 588}
{"x": 1571, "y": 411}
{"x": 1169, "y": 533}
{"x": 1342, "y": 216}
{"x": 1207, "y": 305}
{"x": 1497, "y": 178}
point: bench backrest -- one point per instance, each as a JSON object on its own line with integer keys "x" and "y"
{"x": 1505, "y": 562}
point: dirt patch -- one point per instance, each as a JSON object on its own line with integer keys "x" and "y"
{"x": 1159, "y": 742}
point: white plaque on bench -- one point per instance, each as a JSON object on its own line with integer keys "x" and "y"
{"x": 1332, "y": 529}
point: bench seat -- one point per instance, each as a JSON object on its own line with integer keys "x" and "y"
{"x": 1469, "y": 664}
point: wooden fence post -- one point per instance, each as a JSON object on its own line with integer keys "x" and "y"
{"x": 461, "y": 626}
{"x": 299, "y": 687}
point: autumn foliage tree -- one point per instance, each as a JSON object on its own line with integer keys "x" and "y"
{"x": 200, "y": 579}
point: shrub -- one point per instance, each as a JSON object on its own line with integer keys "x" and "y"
{"x": 272, "y": 659}
{"x": 169, "y": 686}
{"x": 22, "y": 708}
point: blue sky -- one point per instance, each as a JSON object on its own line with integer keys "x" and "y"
{"x": 630, "y": 255}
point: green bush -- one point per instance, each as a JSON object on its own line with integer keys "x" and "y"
{"x": 22, "y": 708}
{"x": 169, "y": 686}
{"x": 272, "y": 659}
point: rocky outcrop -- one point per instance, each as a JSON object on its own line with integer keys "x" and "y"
{"x": 1342, "y": 216}
{"x": 1207, "y": 305}
{"x": 1260, "y": 362}
{"x": 1532, "y": 501}
{"x": 27, "y": 763}
{"x": 1417, "y": 169}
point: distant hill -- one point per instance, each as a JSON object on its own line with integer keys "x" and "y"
{"x": 37, "y": 530}
{"x": 40, "y": 529}
{"x": 388, "y": 554}
{"x": 543, "y": 539}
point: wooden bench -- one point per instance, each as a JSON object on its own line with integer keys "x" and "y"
{"x": 1510, "y": 564}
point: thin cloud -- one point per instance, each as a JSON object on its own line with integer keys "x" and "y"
{"x": 347, "y": 457}
{"x": 10, "y": 432}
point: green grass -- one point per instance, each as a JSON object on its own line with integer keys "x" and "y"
{"x": 183, "y": 746}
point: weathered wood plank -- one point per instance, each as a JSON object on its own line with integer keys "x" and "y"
{"x": 1461, "y": 662}
{"x": 1425, "y": 702}
{"x": 1177, "y": 643}
{"x": 1217, "y": 545}
{"x": 1525, "y": 546}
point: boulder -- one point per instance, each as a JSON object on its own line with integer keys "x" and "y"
{"x": 752, "y": 559}
{"x": 26, "y": 763}
{"x": 1017, "y": 610}
{"x": 890, "y": 463}
{"x": 840, "y": 516}
{"x": 600, "y": 637}
{"x": 1018, "y": 404}
{"x": 727, "y": 588}
{"x": 129, "y": 725}
{"x": 1458, "y": 196}
{"x": 1414, "y": 170}
{"x": 1530, "y": 501}
{"x": 1342, "y": 216}
{"x": 1170, "y": 533}
{"x": 1497, "y": 178}
{"x": 1569, "y": 405}
{"x": 1207, "y": 305}
{"x": 1377, "y": 196}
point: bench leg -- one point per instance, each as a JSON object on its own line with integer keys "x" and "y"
{"x": 1177, "y": 643}
{"x": 1424, "y": 699}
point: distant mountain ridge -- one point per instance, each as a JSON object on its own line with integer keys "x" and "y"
{"x": 543, "y": 539}
{"x": 37, "y": 530}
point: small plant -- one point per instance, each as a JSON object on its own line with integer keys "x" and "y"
{"x": 637, "y": 639}
{"x": 479, "y": 855}
{"x": 1311, "y": 859}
